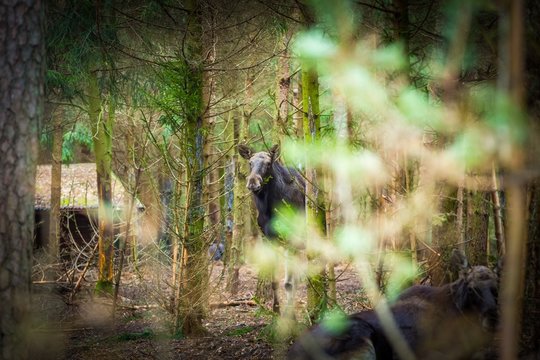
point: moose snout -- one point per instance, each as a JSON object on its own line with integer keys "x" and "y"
{"x": 254, "y": 183}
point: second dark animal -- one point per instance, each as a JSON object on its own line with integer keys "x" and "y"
{"x": 454, "y": 321}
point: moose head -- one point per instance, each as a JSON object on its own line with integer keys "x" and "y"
{"x": 260, "y": 164}
{"x": 476, "y": 291}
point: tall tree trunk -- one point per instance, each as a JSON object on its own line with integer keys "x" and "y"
{"x": 282, "y": 91}
{"x": 297, "y": 107}
{"x": 511, "y": 82}
{"x": 531, "y": 312}
{"x": 196, "y": 276}
{"x": 316, "y": 290}
{"x": 228, "y": 188}
{"x": 195, "y": 284}
{"x": 102, "y": 129}
{"x": 497, "y": 213}
{"x": 22, "y": 73}
{"x": 211, "y": 163}
{"x": 56, "y": 187}
{"x": 239, "y": 208}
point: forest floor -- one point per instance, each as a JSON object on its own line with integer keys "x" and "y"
{"x": 237, "y": 328}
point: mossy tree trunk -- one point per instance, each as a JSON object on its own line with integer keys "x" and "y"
{"x": 211, "y": 156}
{"x": 102, "y": 123}
{"x": 195, "y": 282}
{"x": 239, "y": 208}
{"x": 315, "y": 209}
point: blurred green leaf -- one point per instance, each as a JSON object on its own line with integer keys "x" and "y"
{"x": 335, "y": 321}
{"x": 416, "y": 109}
{"x": 355, "y": 241}
{"x": 402, "y": 272}
{"x": 314, "y": 45}
{"x": 390, "y": 58}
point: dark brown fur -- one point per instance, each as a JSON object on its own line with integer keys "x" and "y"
{"x": 272, "y": 185}
{"x": 455, "y": 321}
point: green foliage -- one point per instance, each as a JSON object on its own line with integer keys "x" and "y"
{"x": 57, "y": 82}
{"x": 354, "y": 241}
{"x": 104, "y": 287}
{"x": 243, "y": 330}
{"x": 78, "y": 135}
{"x": 402, "y": 272}
{"x": 416, "y": 110}
{"x": 146, "y": 334}
{"x": 180, "y": 95}
{"x": 314, "y": 45}
{"x": 335, "y": 321}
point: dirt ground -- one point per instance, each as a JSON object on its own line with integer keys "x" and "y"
{"x": 84, "y": 329}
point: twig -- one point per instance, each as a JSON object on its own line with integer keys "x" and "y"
{"x": 233, "y": 303}
{"x": 78, "y": 284}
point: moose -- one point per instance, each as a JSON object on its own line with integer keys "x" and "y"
{"x": 272, "y": 186}
{"x": 454, "y": 321}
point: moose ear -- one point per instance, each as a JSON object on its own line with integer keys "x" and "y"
{"x": 274, "y": 151}
{"x": 244, "y": 151}
{"x": 459, "y": 262}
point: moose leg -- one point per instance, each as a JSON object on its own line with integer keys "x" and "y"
{"x": 290, "y": 286}
{"x": 275, "y": 300}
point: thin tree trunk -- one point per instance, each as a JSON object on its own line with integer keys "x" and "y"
{"x": 283, "y": 86}
{"x": 56, "y": 188}
{"x": 212, "y": 190}
{"x": 459, "y": 218}
{"x": 21, "y": 23}
{"x": 316, "y": 290}
{"x": 239, "y": 209}
{"x": 102, "y": 131}
{"x": 228, "y": 188}
{"x": 497, "y": 214}
{"x": 297, "y": 107}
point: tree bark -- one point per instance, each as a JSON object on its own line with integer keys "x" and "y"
{"x": 283, "y": 85}
{"x": 531, "y": 297}
{"x": 315, "y": 213}
{"x": 477, "y": 227}
{"x": 239, "y": 209}
{"x": 195, "y": 285}
{"x": 22, "y": 73}
{"x": 56, "y": 187}
{"x": 497, "y": 214}
{"x": 102, "y": 130}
